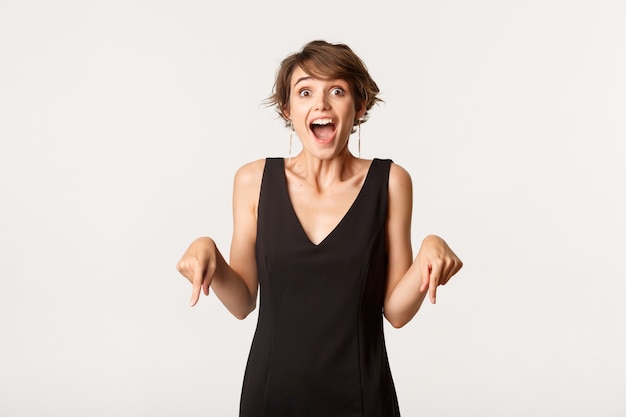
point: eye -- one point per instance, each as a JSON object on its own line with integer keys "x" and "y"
{"x": 304, "y": 93}
{"x": 337, "y": 91}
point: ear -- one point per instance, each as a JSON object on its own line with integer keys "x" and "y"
{"x": 285, "y": 112}
{"x": 360, "y": 112}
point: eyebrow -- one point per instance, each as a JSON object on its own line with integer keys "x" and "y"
{"x": 302, "y": 79}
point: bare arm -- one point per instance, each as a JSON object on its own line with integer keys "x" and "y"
{"x": 235, "y": 284}
{"x": 409, "y": 281}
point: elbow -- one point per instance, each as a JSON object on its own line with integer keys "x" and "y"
{"x": 242, "y": 314}
{"x": 397, "y": 321}
{"x": 398, "y": 324}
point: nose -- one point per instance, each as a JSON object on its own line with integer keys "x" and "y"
{"x": 322, "y": 102}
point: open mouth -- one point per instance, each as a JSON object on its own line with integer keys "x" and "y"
{"x": 323, "y": 129}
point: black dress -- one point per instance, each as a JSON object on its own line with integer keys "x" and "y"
{"x": 319, "y": 349}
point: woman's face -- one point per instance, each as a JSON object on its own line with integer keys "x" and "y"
{"x": 322, "y": 113}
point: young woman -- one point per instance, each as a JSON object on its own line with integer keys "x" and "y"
{"x": 325, "y": 235}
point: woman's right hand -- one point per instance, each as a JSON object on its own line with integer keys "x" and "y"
{"x": 198, "y": 265}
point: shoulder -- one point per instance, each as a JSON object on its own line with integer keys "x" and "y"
{"x": 247, "y": 186}
{"x": 399, "y": 211}
{"x": 250, "y": 174}
{"x": 399, "y": 179}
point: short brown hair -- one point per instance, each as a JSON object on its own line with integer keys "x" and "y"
{"x": 326, "y": 61}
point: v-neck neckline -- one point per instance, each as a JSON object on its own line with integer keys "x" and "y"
{"x": 341, "y": 220}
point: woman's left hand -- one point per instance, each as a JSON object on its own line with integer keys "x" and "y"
{"x": 437, "y": 264}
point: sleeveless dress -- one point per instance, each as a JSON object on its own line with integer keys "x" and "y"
{"x": 319, "y": 349}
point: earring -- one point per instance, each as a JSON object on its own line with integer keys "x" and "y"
{"x": 359, "y": 142}
{"x": 290, "y": 139}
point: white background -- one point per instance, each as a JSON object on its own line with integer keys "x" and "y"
{"x": 123, "y": 122}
